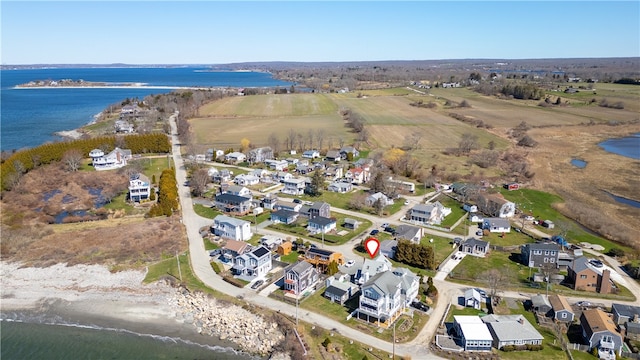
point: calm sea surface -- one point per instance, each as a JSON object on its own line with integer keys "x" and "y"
{"x": 30, "y": 117}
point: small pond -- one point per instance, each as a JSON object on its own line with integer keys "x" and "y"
{"x": 627, "y": 146}
{"x": 578, "y": 163}
{"x": 63, "y": 215}
{"x": 625, "y": 201}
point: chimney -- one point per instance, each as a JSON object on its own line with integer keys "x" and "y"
{"x": 605, "y": 283}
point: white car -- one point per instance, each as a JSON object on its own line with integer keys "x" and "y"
{"x": 350, "y": 263}
{"x": 406, "y": 202}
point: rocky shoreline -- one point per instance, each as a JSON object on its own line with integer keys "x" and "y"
{"x": 251, "y": 332}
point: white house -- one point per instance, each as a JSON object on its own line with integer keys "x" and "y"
{"x": 139, "y": 188}
{"x": 474, "y": 334}
{"x": 294, "y": 186}
{"x": 358, "y": 175}
{"x": 497, "y": 225}
{"x": 473, "y": 298}
{"x": 381, "y": 297}
{"x": 237, "y": 190}
{"x": 511, "y": 330}
{"x": 311, "y": 154}
{"x": 282, "y": 176}
{"x": 429, "y": 213}
{"x": 277, "y": 165}
{"x": 372, "y": 199}
{"x": 321, "y": 224}
{"x": 113, "y": 160}
{"x": 235, "y": 157}
{"x": 340, "y": 187}
{"x": 246, "y": 180}
{"x": 232, "y": 228}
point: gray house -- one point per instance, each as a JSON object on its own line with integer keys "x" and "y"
{"x": 299, "y": 277}
{"x": 409, "y": 232}
{"x": 599, "y": 331}
{"x": 512, "y": 330}
{"x": 536, "y": 255}
{"x": 475, "y": 247}
{"x": 561, "y": 309}
{"x": 623, "y": 314}
{"x": 319, "y": 208}
{"x": 541, "y": 304}
{"x": 340, "y": 292}
{"x": 229, "y": 203}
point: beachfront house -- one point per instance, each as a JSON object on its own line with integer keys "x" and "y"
{"x": 511, "y": 330}
{"x": 256, "y": 263}
{"x": 139, "y": 188}
{"x": 299, "y": 277}
{"x": 114, "y": 160}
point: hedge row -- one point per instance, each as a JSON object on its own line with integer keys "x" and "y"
{"x": 167, "y": 195}
{"x": 25, "y": 160}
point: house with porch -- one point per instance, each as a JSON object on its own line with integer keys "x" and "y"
{"x": 256, "y": 263}
{"x": 332, "y": 173}
{"x": 233, "y": 248}
{"x": 340, "y": 187}
{"x": 236, "y": 190}
{"x": 277, "y": 165}
{"x": 282, "y": 176}
{"x": 235, "y": 157}
{"x": 231, "y": 228}
{"x": 432, "y": 213}
{"x": 321, "y": 258}
{"x": 409, "y": 284}
{"x": 599, "y": 331}
{"x": 246, "y": 180}
{"x": 475, "y": 247}
{"x": 357, "y": 175}
{"x": 294, "y": 186}
{"x": 269, "y": 201}
{"x": 139, "y": 188}
{"x": 116, "y": 159}
{"x": 233, "y": 204}
{"x": 381, "y": 298}
{"x": 299, "y": 277}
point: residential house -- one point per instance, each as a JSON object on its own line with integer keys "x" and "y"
{"x": 235, "y": 157}
{"x": 319, "y": 208}
{"x": 256, "y": 263}
{"x": 470, "y": 207}
{"x": 340, "y": 187}
{"x": 231, "y": 228}
{"x": 222, "y": 176}
{"x": 311, "y": 154}
{"x": 409, "y": 284}
{"x": 246, "y": 180}
{"x": 511, "y": 330}
{"x": 475, "y": 247}
{"x": 623, "y": 314}
{"x": 117, "y": 158}
{"x": 321, "y": 258}
{"x": 371, "y": 268}
{"x": 269, "y": 201}
{"x": 236, "y": 190}
{"x": 561, "y": 309}
{"x": 357, "y": 175}
{"x": 373, "y": 198}
{"x": 303, "y": 169}
{"x": 585, "y": 278}
{"x": 294, "y": 186}
{"x": 212, "y": 172}
{"x": 474, "y": 334}
{"x": 473, "y": 298}
{"x": 400, "y": 186}
{"x": 599, "y": 331}
{"x": 539, "y": 254}
{"x": 259, "y": 155}
{"x": 631, "y": 330}
{"x": 293, "y": 161}
{"x": 388, "y": 248}
{"x": 541, "y": 304}
{"x": 381, "y": 297}
{"x": 277, "y": 165}
{"x": 351, "y": 224}
{"x": 364, "y": 163}
{"x": 432, "y": 213}
{"x": 409, "y": 232}
{"x": 339, "y": 291}
{"x": 282, "y": 176}
{"x": 262, "y": 174}
{"x": 123, "y": 126}
{"x": 333, "y": 173}
{"x": 333, "y": 155}
{"x": 288, "y": 206}
{"x": 284, "y": 216}
{"x": 270, "y": 241}
{"x": 496, "y": 225}
{"x": 234, "y": 248}
{"x": 233, "y": 204}
{"x": 299, "y": 277}
{"x": 321, "y": 224}
{"x": 139, "y": 188}
{"x": 285, "y": 248}
{"x": 495, "y": 205}
{"x": 349, "y": 150}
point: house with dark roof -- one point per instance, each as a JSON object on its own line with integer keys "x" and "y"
{"x": 339, "y": 291}
{"x": 284, "y": 216}
{"x": 585, "y": 278}
{"x": 625, "y": 313}
{"x": 351, "y": 224}
{"x": 536, "y": 255}
{"x": 511, "y": 330}
{"x": 333, "y": 155}
{"x": 541, "y": 304}
{"x": 432, "y": 213}
{"x": 299, "y": 277}
{"x": 496, "y": 225}
{"x": 319, "y": 208}
{"x": 256, "y": 263}
{"x": 321, "y": 258}
{"x": 233, "y": 204}
{"x": 321, "y": 224}
{"x": 562, "y": 311}
{"x": 599, "y": 331}
{"x": 475, "y": 247}
{"x": 349, "y": 150}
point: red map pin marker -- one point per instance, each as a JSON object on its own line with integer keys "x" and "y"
{"x": 372, "y": 245}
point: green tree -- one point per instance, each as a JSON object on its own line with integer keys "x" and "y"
{"x": 317, "y": 182}
{"x": 332, "y": 268}
{"x": 152, "y": 195}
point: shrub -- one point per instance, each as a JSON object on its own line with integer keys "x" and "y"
{"x": 508, "y": 348}
{"x": 532, "y": 347}
{"x": 326, "y": 343}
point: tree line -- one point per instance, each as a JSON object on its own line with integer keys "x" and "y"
{"x": 418, "y": 255}
{"x": 167, "y": 195}
{"x": 21, "y": 162}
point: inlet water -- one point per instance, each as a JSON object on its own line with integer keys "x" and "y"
{"x": 627, "y": 146}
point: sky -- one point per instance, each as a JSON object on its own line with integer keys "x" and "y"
{"x": 218, "y": 32}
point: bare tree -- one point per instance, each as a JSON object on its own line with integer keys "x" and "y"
{"x": 494, "y": 278}
{"x": 413, "y": 141}
{"x": 301, "y": 143}
{"x": 330, "y": 143}
{"x": 199, "y": 181}
{"x": 467, "y": 143}
{"x": 310, "y": 138}
{"x": 72, "y": 159}
{"x": 320, "y": 138}
{"x": 274, "y": 142}
{"x": 291, "y": 139}
{"x": 341, "y": 142}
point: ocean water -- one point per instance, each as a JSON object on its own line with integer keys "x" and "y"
{"x": 23, "y": 340}
{"x": 30, "y": 117}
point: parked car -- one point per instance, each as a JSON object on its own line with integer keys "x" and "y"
{"x": 596, "y": 263}
{"x": 297, "y": 201}
{"x": 374, "y": 232}
{"x": 420, "y": 306}
{"x": 257, "y": 284}
{"x": 385, "y": 225}
{"x": 479, "y": 233}
{"x": 214, "y": 252}
{"x": 390, "y": 230}
{"x": 350, "y": 263}
{"x": 406, "y": 202}
{"x": 583, "y": 303}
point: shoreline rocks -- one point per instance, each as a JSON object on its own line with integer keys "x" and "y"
{"x": 210, "y": 316}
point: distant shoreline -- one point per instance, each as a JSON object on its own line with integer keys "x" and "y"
{"x": 19, "y": 87}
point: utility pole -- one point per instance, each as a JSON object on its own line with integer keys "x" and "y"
{"x": 297, "y": 294}
{"x": 179, "y": 270}
{"x": 393, "y": 355}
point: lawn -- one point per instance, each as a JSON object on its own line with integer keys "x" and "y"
{"x": 290, "y": 258}
{"x": 298, "y": 228}
{"x": 206, "y": 211}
